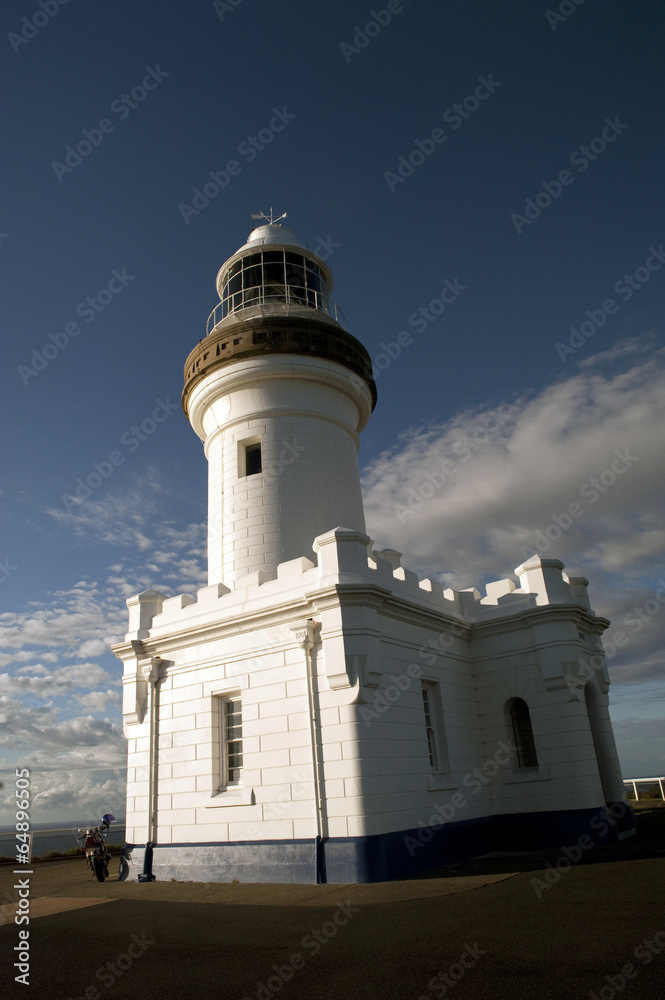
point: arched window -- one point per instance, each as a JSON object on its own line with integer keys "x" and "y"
{"x": 520, "y": 720}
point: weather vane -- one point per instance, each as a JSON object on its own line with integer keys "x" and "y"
{"x": 269, "y": 219}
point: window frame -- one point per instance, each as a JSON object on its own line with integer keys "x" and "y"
{"x": 225, "y": 780}
{"x": 521, "y": 729}
{"x": 430, "y": 732}
{"x": 243, "y": 447}
{"x": 435, "y": 728}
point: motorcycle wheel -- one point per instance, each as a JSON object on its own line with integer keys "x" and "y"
{"x": 98, "y": 865}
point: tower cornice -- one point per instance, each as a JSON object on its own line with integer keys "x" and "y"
{"x": 260, "y": 336}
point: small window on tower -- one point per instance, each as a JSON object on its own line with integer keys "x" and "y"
{"x": 252, "y": 459}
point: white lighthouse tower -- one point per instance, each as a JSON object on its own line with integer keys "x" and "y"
{"x": 278, "y": 392}
{"x": 317, "y": 712}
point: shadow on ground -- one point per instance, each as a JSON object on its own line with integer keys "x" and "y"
{"x": 648, "y": 842}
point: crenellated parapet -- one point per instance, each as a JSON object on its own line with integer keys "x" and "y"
{"x": 345, "y": 559}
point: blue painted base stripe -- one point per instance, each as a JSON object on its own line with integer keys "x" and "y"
{"x": 382, "y": 857}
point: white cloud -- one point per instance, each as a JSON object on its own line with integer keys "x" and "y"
{"x": 36, "y": 669}
{"x": 622, "y": 350}
{"x": 92, "y": 647}
{"x": 86, "y": 619}
{"x": 24, "y": 654}
{"x": 69, "y": 796}
{"x": 67, "y": 625}
{"x": 117, "y": 517}
{"x": 639, "y": 740}
{"x": 98, "y": 701}
{"x": 468, "y": 500}
{"x": 133, "y": 518}
{"x": 56, "y": 683}
{"x": 628, "y": 551}
{"x": 42, "y": 727}
{"x": 46, "y": 651}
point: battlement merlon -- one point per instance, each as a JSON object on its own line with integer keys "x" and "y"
{"x": 545, "y": 578}
{"x": 142, "y": 609}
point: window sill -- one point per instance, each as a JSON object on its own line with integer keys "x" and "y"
{"x": 231, "y": 797}
{"x": 528, "y": 774}
{"x": 440, "y": 782}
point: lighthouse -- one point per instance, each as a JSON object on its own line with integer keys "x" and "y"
{"x": 317, "y": 712}
{"x": 278, "y": 392}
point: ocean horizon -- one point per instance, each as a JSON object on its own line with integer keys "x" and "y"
{"x": 56, "y": 836}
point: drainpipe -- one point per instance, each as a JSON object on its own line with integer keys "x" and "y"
{"x": 151, "y": 674}
{"x": 304, "y": 634}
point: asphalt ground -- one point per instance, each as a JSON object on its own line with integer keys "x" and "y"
{"x": 493, "y": 927}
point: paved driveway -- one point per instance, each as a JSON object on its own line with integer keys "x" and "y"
{"x": 496, "y": 928}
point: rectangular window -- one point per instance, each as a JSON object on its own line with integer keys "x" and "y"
{"x": 231, "y": 741}
{"x": 252, "y": 459}
{"x": 429, "y": 727}
{"x": 434, "y": 728}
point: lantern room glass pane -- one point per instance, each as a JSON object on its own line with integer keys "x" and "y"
{"x": 314, "y": 279}
{"x": 273, "y": 274}
{"x": 295, "y": 274}
{"x": 252, "y": 276}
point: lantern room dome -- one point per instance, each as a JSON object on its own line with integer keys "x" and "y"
{"x": 272, "y": 233}
{"x": 272, "y": 270}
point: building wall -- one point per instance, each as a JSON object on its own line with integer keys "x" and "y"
{"x": 379, "y": 634}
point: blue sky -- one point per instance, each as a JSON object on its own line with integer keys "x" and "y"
{"x": 483, "y": 177}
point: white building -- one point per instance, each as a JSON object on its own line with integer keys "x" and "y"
{"x": 317, "y": 712}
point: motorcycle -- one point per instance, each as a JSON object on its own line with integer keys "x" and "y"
{"x": 96, "y": 852}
